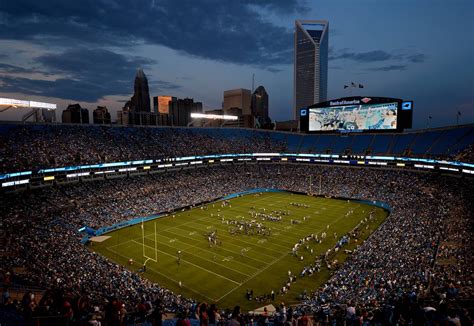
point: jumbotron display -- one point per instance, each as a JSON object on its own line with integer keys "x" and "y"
{"x": 356, "y": 115}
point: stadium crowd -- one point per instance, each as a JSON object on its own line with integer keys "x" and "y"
{"x": 416, "y": 268}
{"x": 25, "y": 147}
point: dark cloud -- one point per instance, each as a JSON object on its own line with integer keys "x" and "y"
{"x": 7, "y": 68}
{"x": 12, "y": 69}
{"x": 371, "y": 56}
{"x": 389, "y": 68}
{"x": 223, "y": 30}
{"x": 394, "y": 61}
{"x": 87, "y": 75}
{"x": 416, "y": 58}
{"x": 93, "y": 64}
{"x": 282, "y": 7}
{"x": 274, "y": 70}
{"x": 59, "y": 88}
{"x": 164, "y": 85}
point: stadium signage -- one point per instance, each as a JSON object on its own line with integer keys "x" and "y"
{"x": 357, "y": 114}
{"x": 343, "y": 102}
{"x": 88, "y": 171}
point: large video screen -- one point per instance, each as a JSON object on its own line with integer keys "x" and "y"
{"x": 354, "y": 117}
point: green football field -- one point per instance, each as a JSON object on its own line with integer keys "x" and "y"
{"x": 221, "y": 273}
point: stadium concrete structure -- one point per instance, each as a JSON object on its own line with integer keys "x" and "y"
{"x": 311, "y": 46}
{"x": 99, "y": 179}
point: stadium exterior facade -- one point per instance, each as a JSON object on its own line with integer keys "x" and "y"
{"x": 311, "y": 39}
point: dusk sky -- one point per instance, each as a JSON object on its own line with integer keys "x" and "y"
{"x": 88, "y": 51}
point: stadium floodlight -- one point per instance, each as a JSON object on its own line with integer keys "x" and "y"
{"x": 26, "y": 104}
{"x": 214, "y": 116}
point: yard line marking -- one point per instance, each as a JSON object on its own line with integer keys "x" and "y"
{"x": 169, "y": 278}
{"x": 212, "y": 252}
{"x": 189, "y": 246}
{"x": 252, "y": 276}
{"x": 282, "y": 228}
{"x": 266, "y": 267}
{"x": 334, "y": 221}
{"x": 187, "y": 261}
{"x": 240, "y": 240}
{"x": 221, "y": 248}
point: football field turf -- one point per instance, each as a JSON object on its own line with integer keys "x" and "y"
{"x": 221, "y": 273}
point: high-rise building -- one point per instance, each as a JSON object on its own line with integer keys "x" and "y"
{"x": 101, "y": 115}
{"x": 137, "y": 110}
{"x": 161, "y": 104}
{"x": 161, "y": 107}
{"x": 240, "y": 99}
{"x": 140, "y": 101}
{"x": 180, "y": 111}
{"x": 310, "y": 63}
{"x": 260, "y": 105}
{"x": 74, "y": 113}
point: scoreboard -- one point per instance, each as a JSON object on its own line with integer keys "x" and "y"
{"x": 357, "y": 114}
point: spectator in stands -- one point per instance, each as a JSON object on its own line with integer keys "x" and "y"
{"x": 236, "y": 319}
{"x": 410, "y": 256}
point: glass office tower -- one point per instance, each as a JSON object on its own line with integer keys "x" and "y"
{"x": 311, "y": 63}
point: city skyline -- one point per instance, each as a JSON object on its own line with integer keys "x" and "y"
{"x": 68, "y": 54}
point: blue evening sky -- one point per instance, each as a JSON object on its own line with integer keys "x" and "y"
{"x": 88, "y": 51}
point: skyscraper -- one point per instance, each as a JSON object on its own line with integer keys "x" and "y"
{"x": 101, "y": 115}
{"x": 260, "y": 105}
{"x": 180, "y": 111}
{"x": 240, "y": 99}
{"x": 140, "y": 101}
{"x": 74, "y": 113}
{"x": 311, "y": 63}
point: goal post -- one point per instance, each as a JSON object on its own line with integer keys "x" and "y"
{"x": 147, "y": 249}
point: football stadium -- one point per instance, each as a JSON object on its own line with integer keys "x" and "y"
{"x": 266, "y": 220}
{"x": 337, "y": 190}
